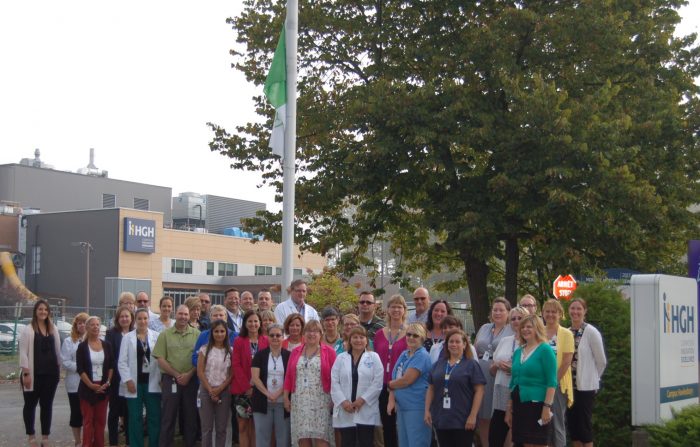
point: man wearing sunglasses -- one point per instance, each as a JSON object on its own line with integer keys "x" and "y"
{"x": 368, "y": 319}
{"x": 143, "y": 300}
{"x": 421, "y": 298}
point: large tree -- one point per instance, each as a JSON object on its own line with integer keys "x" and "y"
{"x": 465, "y": 132}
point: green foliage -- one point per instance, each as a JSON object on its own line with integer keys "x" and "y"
{"x": 328, "y": 289}
{"x": 609, "y": 312}
{"x": 679, "y": 431}
{"x": 449, "y": 127}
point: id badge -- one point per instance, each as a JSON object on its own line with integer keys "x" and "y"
{"x": 305, "y": 382}
{"x": 173, "y": 387}
{"x": 387, "y": 368}
{"x": 486, "y": 356}
{"x": 446, "y": 403}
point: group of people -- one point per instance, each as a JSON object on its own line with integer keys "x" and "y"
{"x": 293, "y": 376}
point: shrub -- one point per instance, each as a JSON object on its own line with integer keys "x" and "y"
{"x": 327, "y": 289}
{"x": 678, "y": 431}
{"x": 610, "y": 313}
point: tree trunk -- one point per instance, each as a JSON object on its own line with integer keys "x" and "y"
{"x": 477, "y": 279}
{"x": 512, "y": 263}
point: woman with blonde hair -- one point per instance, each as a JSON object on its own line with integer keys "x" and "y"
{"x": 562, "y": 342}
{"x": 408, "y": 387}
{"x": 267, "y": 318}
{"x": 95, "y": 366}
{"x": 389, "y": 343}
{"x": 532, "y": 385}
{"x": 499, "y": 433}
{"x": 68, "y": 351}
{"x": 194, "y": 304}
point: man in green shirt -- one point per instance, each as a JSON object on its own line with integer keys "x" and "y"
{"x": 173, "y": 351}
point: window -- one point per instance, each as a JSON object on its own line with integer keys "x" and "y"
{"x": 140, "y": 204}
{"x": 226, "y": 269}
{"x": 263, "y": 270}
{"x": 297, "y": 272}
{"x": 109, "y": 200}
{"x": 181, "y": 266}
{"x": 36, "y": 260}
{"x": 278, "y": 271}
{"x": 210, "y": 268}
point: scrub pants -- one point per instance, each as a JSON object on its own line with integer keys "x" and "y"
{"x": 135, "y": 414}
{"x": 412, "y": 430}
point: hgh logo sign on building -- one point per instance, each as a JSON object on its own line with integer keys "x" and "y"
{"x": 139, "y": 235}
{"x": 678, "y": 319}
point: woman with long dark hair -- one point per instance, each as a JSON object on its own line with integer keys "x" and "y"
{"x": 214, "y": 372}
{"x": 96, "y": 367}
{"x": 439, "y": 309}
{"x": 246, "y": 345}
{"x": 123, "y": 324}
{"x": 40, "y": 361}
{"x": 68, "y": 353}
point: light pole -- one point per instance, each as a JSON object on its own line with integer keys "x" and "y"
{"x": 86, "y": 247}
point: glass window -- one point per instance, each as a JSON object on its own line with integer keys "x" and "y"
{"x": 181, "y": 266}
{"x": 263, "y": 270}
{"x": 210, "y": 268}
{"x": 227, "y": 269}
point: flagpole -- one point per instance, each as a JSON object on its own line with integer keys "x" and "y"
{"x": 290, "y": 139}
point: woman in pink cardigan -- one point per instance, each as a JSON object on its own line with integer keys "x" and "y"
{"x": 245, "y": 346}
{"x": 308, "y": 381}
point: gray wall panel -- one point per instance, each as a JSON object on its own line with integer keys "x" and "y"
{"x": 62, "y": 264}
{"x": 51, "y": 190}
{"x": 224, "y": 212}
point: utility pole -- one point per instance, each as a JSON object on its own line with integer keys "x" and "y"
{"x": 86, "y": 247}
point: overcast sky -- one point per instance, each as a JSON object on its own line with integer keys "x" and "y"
{"x": 137, "y": 81}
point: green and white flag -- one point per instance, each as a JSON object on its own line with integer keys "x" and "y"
{"x": 276, "y": 92}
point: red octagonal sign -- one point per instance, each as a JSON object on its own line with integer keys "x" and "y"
{"x": 564, "y": 287}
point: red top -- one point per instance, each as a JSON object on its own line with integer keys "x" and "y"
{"x": 381, "y": 347}
{"x": 327, "y": 360}
{"x": 242, "y": 361}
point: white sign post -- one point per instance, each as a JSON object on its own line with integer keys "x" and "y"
{"x": 664, "y": 346}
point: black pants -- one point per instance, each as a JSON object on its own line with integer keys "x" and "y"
{"x": 117, "y": 408}
{"x": 388, "y": 421}
{"x": 76, "y": 417}
{"x": 357, "y": 436}
{"x": 185, "y": 401}
{"x": 455, "y": 438}
{"x": 498, "y": 429}
{"x": 43, "y": 394}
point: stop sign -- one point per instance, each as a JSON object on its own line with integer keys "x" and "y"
{"x": 564, "y": 287}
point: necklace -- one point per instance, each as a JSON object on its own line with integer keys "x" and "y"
{"x": 308, "y": 359}
{"x": 330, "y": 342}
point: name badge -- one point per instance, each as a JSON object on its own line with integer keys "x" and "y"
{"x": 446, "y": 403}
{"x": 387, "y": 368}
{"x": 486, "y": 356}
{"x": 173, "y": 387}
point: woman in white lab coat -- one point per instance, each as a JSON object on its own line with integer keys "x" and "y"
{"x": 356, "y": 381}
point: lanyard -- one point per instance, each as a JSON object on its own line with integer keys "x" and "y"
{"x": 392, "y": 340}
{"x": 274, "y": 361}
{"x": 308, "y": 359}
{"x": 492, "y": 335}
{"x": 448, "y": 371}
{"x": 253, "y": 349}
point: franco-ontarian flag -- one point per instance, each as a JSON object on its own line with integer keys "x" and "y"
{"x": 276, "y": 92}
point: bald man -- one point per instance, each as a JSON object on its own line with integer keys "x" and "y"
{"x": 421, "y": 298}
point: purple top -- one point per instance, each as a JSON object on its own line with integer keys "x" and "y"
{"x": 381, "y": 347}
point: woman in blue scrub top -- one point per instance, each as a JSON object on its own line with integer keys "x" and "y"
{"x": 407, "y": 389}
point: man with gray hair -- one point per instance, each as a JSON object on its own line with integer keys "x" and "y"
{"x": 296, "y": 304}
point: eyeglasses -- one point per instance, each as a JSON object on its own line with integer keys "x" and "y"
{"x": 420, "y": 298}
{"x": 274, "y": 335}
{"x": 412, "y": 335}
{"x": 366, "y": 303}
{"x": 516, "y": 318}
